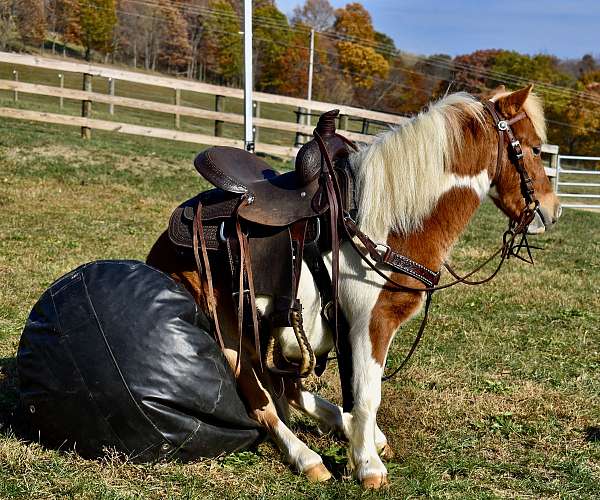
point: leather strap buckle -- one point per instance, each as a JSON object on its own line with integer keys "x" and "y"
{"x": 383, "y": 250}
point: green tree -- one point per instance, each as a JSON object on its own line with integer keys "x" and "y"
{"x": 97, "y": 19}
{"x": 221, "y": 48}
{"x": 272, "y": 36}
{"x": 385, "y": 46}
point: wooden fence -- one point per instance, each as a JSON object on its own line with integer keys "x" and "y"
{"x": 87, "y": 96}
{"x": 177, "y": 85}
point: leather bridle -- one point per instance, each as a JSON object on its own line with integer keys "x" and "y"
{"x": 379, "y": 253}
{"x": 516, "y": 152}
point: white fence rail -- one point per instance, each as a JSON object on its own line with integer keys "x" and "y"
{"x": 576, "y": 183}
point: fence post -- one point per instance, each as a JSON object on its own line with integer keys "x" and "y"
{"x": 344, "y": 120}
{"x": 299, "y": 119}
{"x": 554, "y": 165}
{"x": 365, "y": 126}
{"x": 111, "y": 91}
{"x": 61, "y": 83}
{"x": 177, "y": 103}
{"x": 219, "y": 105}
{"x": 86, "y": 106}
{"x": 556, "y": 160}
{"x": 256, "y": 115}
{"x": 16, "y": 78}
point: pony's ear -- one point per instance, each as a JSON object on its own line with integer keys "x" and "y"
{"x": 511, "y": 104}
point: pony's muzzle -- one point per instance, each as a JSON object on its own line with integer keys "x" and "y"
{"x": 544, "y": 219}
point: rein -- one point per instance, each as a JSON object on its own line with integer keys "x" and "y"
{"x": 429, "y": 278}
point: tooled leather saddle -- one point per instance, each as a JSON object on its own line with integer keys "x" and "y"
{"x": 266, "y": 224}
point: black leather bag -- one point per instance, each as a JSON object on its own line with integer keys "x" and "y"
{"x": 116, "y": 354}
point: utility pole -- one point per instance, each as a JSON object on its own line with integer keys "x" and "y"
{"x": 310, "y": 71}
{"x": 248, "y": 77}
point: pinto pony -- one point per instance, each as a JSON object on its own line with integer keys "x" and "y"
{"x": 417, "y": 188}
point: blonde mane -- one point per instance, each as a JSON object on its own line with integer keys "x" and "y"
{"x": 402, "y": 174}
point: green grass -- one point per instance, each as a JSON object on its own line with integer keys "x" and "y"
{"x": 500, "y": 400}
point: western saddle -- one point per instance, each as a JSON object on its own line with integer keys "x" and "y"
{"x": 264, "y": 225}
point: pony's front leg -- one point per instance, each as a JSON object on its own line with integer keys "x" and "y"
{"x": 364, "y": 454}
{"x": 370, "y": 339}
{"x": 261, "y": 407}
{"x": 330, "y": 417}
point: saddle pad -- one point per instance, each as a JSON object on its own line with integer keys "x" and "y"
{"x": 217, "y": 206}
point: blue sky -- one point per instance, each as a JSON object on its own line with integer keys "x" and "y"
{"x": 566, "y": 28}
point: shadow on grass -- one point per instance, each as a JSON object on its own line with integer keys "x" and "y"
{"x": 592, "y": 433}
{"x": 9, "y": 396}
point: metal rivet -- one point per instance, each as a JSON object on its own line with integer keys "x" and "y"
{"x": 31, "y": 409}
{"x": 165, "y": 447}
{"x": 302, "y": 194}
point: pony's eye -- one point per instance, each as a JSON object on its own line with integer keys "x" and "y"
{"x": 536, "y": 150}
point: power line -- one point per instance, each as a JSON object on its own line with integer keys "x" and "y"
{"x": 449, "y": 66}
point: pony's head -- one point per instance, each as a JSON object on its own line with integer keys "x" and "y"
{"x": 453, "y": 145}
{"x": 530, "y": 131}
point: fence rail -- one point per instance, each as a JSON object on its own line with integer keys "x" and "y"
{"x": 577, "y": 178}
{"x": 87, "y": 96}
{"x": 112, "y": 74}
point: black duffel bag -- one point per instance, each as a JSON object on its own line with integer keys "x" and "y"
{"x": 116, "y": 355}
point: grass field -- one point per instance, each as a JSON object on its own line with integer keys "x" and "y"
{"x": 500, "y": 401}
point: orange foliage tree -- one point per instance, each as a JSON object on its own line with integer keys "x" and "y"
{"x": 359, "y": 61}
{"x": 31, "y": 20}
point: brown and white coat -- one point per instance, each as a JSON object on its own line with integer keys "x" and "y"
{"x": 418, "y": 187}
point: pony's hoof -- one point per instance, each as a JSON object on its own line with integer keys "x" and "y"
{"x": 386, "y": 452}
{"x": 318, "y": 474}
{"x": 375, "y": 482}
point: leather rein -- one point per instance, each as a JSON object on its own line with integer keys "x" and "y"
{"x": 381, "y": 254}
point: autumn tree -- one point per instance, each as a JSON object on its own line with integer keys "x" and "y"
{"x": 175, "y": 50}
{"x": 316, "y": 14}
{"x": 71, "y": 10}
{"x": 580, "y": 133}
{"x": 97, "y": 19}
{"x": 8, "y": 24}
{"x": 31, "y": 20}
{"x": 357, "y": 57}
{"x": 191, "y": 12}
{"x": 293, "y": 66}
{"x": 470, "y": 70}
{"x": 272, "y": 37}
{"x": 222, "y": 49}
